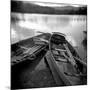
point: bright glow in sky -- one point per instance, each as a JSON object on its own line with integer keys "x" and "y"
{"x": 54, "y": 5}
{"x": 49, "y": 4}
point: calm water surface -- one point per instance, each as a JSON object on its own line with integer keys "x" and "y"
{"x": 72, "y": 25}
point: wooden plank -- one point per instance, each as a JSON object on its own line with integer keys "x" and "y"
{"x": 42, "y": 48}
{"x": 71, "y": 60}
{"x": 29, "y": 49}
{"x": 60, "y": 59}
{"x": 60, "y": 50}
{"x": 59, "y": 77}
{"x": 82, "y": 62}
{"x": 32, "y": 51}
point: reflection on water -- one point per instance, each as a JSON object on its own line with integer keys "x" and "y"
{"x": 72, "y": 25}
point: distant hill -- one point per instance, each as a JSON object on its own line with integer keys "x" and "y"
{"x": 20, "y": 7}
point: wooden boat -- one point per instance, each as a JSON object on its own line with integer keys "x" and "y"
{"x": 69, "y": 66}
{"x": 26, "y": 50}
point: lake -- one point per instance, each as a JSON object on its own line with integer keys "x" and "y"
{"x": 71, "y": 25}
